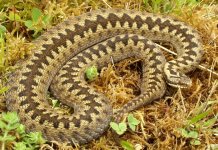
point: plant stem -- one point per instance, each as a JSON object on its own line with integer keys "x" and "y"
{"x": 3, "y": 141}
{"x": 3, "y": 146}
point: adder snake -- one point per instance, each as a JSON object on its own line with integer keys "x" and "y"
{"x": 92, "y": 39}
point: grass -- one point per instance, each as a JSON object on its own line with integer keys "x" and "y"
{"x": 182, "y": 119}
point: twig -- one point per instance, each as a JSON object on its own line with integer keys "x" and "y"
{"x": 106, "y": 3}
{"x": 182, "y": 99}
{"x": 199, "y": 66}
{"x": 213, "y": 89}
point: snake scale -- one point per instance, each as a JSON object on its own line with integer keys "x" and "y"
{"x": 64, "y": 52}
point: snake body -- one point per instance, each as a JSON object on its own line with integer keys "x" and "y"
{"x": 63, "y": 53}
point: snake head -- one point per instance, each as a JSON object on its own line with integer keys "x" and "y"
{"x": 181, "y": 81}
{"x": 176, "y": 79}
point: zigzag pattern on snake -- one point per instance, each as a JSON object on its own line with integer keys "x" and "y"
{"x": 63, "y": 53}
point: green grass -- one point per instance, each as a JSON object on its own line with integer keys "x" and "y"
{"x": 199, "y": 124}
{"x": 167, "y": 6}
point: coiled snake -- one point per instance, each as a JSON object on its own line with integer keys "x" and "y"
{"x": 92, "y": 39}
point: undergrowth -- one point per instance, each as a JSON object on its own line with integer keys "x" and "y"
{"x": 184, "y": 119}
{"x": 13, "y": 135}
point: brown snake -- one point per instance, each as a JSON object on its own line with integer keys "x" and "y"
{"x": 92, "y": 39}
